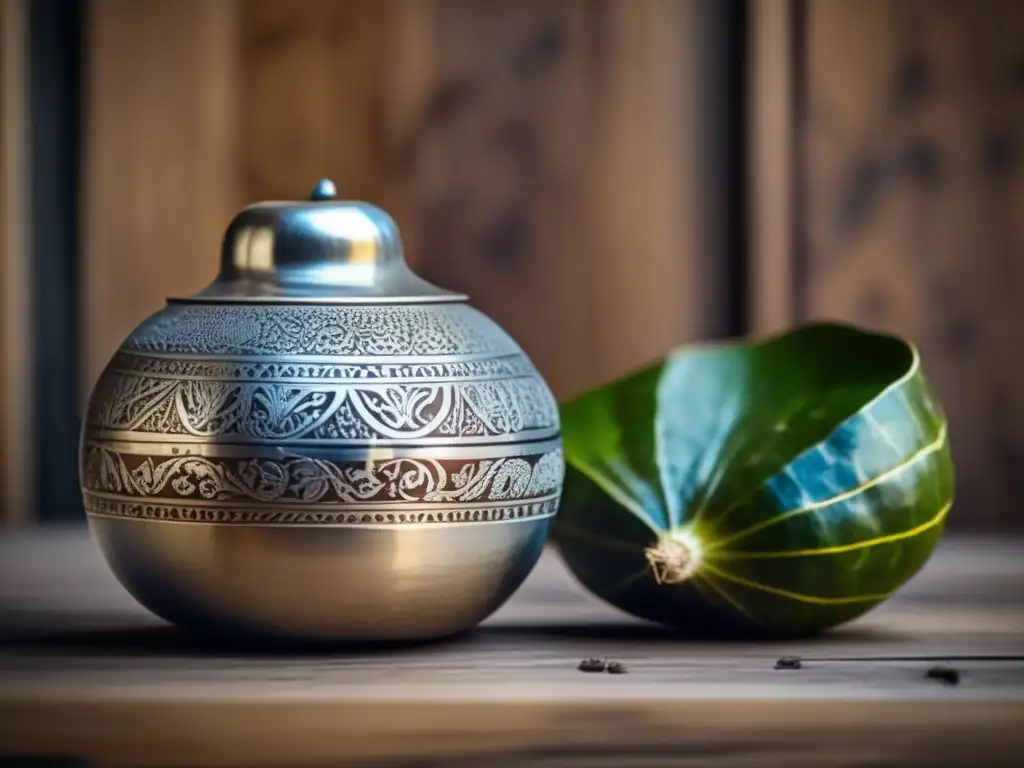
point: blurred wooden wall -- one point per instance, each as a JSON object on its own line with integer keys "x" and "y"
{"x": 897, "y": 141}
{"x": 556, "y": 159}
{"x": 541, "y": 156}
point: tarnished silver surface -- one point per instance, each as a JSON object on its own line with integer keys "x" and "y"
{"x": 320, "y": 445}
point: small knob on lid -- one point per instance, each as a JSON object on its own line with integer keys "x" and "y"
{"x": 324, "y": 190}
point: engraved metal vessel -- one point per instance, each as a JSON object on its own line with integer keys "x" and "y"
{"x": 320, "y": 445}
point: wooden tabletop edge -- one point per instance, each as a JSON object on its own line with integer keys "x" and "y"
{"x": 257, "y": 733}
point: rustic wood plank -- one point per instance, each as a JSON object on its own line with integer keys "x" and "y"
{"x": 160, "y": 162}
{"x": 914, "y": 130}
{"x": 551, "y": 734}
{"x": 72, "y": 641}
{"x": 315, "y": 82}
{"x": 16, "y": 439}
{"x": 322, "y": 94}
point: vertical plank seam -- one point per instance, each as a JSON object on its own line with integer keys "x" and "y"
{"x": 736, "y": 234}
{"x": 18, "y": 445}
{"x": 798, "y": 64}
{"x": 772, "y": 168}
{"x": 54, "y": 46}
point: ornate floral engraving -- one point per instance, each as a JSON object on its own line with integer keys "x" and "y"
{"x": 396, "y": 330}
{"x": 177, "y": 512}
{"x": 285, "y": 411}
{"x": 548, "y": 474}
{"x": 509, "y": 366}
{"x": 302, "y": 479}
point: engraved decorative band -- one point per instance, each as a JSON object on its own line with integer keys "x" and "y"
{"x": 216, "y": 409}
{"x": 361, "y": 452}
{"x": 305, "y": 480}
{"x": 391, "y": 514}
{"x": 421, "y": 370}
{"x": 338, "y": 332}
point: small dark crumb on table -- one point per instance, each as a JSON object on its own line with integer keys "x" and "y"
{"x": 945, "y": 674}
{"x": 616, "y": 668}
{"x": 789, "y": 662}
{"x": 592, "y": 665}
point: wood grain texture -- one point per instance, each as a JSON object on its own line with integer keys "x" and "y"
{"x": 16, "y": 439}
{"x": 914, "y": 140}
{"x": 600, "y": 734}
{"x": 321, "y": 91}
{"x": 540, "y": 156}
{"x": 772, "y": 180}
{"x": 160, "y": 161}
{"x": 71, "y": 641}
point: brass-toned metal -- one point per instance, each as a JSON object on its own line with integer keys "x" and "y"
{"x": 320, "y": 445}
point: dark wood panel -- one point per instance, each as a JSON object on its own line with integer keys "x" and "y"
{"x": 541, "y": 156}
{"x": 54, "y": 108}
{"x": 914, "y": 142}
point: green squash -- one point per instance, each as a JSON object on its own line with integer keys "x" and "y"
{"x": 773, "y": 487}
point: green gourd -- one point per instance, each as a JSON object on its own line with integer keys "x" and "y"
{"x": 778, "y": 486}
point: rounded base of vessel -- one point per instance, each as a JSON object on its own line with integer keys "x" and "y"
{"x": 315, "y": 584}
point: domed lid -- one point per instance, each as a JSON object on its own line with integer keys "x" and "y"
{"x": 324, "y": 250}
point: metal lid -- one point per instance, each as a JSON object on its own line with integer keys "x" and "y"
{"x": 324, "y": 250}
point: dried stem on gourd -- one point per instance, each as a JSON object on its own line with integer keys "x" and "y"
{"x": 672, "y": 560}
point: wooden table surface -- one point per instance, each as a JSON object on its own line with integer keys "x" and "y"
{"x": 86, "y": 672}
